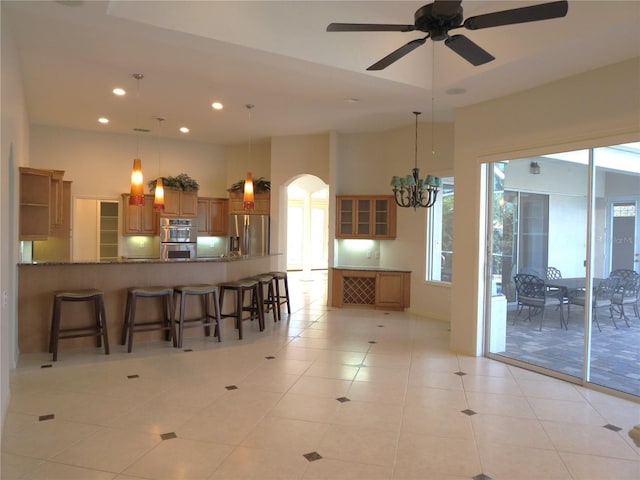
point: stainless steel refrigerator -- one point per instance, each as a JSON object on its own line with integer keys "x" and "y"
{"x": 249, "y": 235}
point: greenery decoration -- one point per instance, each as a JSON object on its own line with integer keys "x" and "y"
{"x": 260, "y": 185}
{"x": 180, "y": 182}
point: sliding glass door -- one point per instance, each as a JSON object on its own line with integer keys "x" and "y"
{"x": 560, "y": 225}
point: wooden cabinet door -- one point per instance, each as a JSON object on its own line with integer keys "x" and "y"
{"x": 219, "y": 217}
{"x": 35, "y": 203}
{"x": 203, "y": 216}
{"x": 389, "y": 289}
{"x": 171, "y": 203}
{"x": 345, "y": 218}
{"x": 189, "y": 204}
{"x": 139, "y": 219}
{"x": 149, "y": 222}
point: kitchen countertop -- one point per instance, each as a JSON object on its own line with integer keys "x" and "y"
{"x": 371, "y": 269}
{"x": 126, "y": 260}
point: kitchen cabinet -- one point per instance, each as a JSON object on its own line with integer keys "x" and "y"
{"x": 366, "y": 216}
{"x": 370, "y": 288}
{"x": 262, "y": 202}
{"x": 178, "y": 203}
{"x": 35, "y": 204}
{"x": 139, "y": 219}
{"x": 213, "y": 216}
{"x": 56, "y": 202}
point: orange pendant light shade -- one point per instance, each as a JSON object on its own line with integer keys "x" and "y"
{"x": 137, "y": 184}
{"x": 158, "y": 200}
{"x": 248, "y": 200}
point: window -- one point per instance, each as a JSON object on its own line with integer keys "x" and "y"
{"x": 440, "y": 235}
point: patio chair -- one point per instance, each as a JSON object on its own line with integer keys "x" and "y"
{"x": 552, "y": 273}
{"x": 532, "y": 293}
{"x": 602, "y": 298}
{"x": 627, "y": 292}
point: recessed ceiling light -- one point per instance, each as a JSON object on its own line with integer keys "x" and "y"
{"x": 184, "y": 129}
{"x": 119, "y": 91}
{"x": 217, "y": 106}
{"x": 456, "y": 91}
{"x": 103, "y": 120}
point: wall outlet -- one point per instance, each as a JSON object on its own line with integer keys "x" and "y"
{"x": 376, "y": 255}
{"x": 368, "y": 254}
{"x": 5, "y": 299}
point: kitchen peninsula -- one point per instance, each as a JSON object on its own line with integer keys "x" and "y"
{"x": 38, "y": 281}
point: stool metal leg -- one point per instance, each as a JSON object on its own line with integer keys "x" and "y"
{"x": 103, "y": 321}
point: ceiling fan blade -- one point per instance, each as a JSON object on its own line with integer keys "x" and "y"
{"x": 368, "y": 27}
{"x": 468, "y": 50}
{"x": 543, "y": 11}
{"x": 446, "y": 8}
{"x": 398, "y": 54}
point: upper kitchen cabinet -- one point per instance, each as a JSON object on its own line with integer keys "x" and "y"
{"x": 56, "y": 209}
{"x": 180, "y": 203}
{"x": 360, "y": 216}
{"x": 262, "y": 202}
{"x": 139, "y": 219}
{"x": 213, "y": 216}
{"x": 41, "y": 202}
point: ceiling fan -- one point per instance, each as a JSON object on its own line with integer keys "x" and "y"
{"x": 438, "y": 18}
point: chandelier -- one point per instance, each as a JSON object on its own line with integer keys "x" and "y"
{"x": 413, "y": 191}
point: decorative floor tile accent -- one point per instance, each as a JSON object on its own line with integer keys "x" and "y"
{"x": 360, "y": 365}
{"x": 168, "y": 436}
{"x": 231, "y": 387}
{"x": 270, "y": 357}
{"x": 188, "y": 350}
{"x": 468, "y": 412}
{"x": 461, "y": 374}
{"x": 312, "y": 456}
{"x": 482, "y": 476}
{"x": 48, "y": 365}
{"x": 372, "y": 341}
{"x": 380, "y": 326}
{"x": 49, "y": 416}
{"x": 343, "y": 399}
{"x": 612, "y": 427}
{"x": 135, "y": 375}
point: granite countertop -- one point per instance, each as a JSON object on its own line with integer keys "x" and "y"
{"x": 371, "y": 269}
{"x": 129, "y": 260}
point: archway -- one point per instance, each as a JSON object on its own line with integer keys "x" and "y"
{"x": 307, "y": 224}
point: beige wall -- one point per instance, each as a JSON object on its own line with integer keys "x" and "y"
{"x": 597, "y": 108}
{"x": 82, "y": 154}
{"x": 291, "y": 157}
{"x": 14, "y": 152}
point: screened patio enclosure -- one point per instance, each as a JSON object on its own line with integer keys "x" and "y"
{"x": 571, "y": 220}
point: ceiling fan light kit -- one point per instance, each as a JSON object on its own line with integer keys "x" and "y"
{"x": 437, "y": 19}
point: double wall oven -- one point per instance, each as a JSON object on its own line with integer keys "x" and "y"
{"x": 178, "y": 238}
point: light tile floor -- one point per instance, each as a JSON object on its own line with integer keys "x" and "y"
{"x": 326, "y": 394}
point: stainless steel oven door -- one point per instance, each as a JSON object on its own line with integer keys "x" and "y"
{"x": 178, "y": 234}
{"x": 172, "y": 251}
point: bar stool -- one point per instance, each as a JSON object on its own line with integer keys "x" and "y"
{"x": 268, "y": 301}
{"x": 98, "y": 330}
{"x": 279, "y": 298}
{"x": 207, "y": 294}
{"x": 167, "y": 323}
{"x": 240, "y": 287}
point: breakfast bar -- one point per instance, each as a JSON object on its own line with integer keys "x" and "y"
{"x": 38, "y": 282}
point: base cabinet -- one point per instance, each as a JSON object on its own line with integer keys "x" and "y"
{"x": 380, "y": 289}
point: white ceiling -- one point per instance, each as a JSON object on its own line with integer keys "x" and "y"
{"x": 279, "y": 57}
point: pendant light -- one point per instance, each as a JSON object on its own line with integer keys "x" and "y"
{"x": 136, "y": 196}
{"x": 248, "y": 200}
{"x": 158, "y": 199}
{"x": 412, "y": 191}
